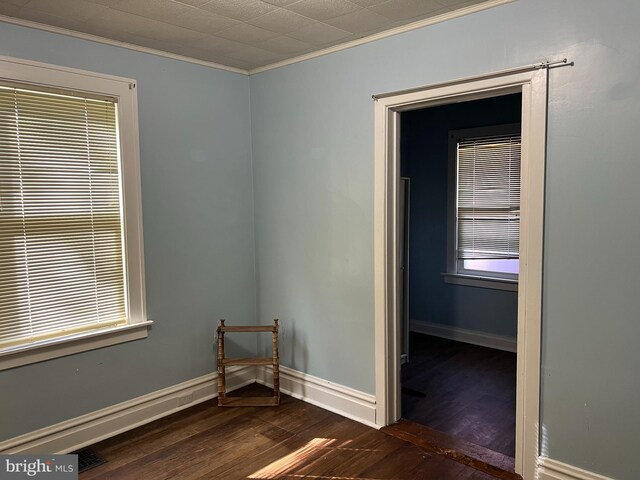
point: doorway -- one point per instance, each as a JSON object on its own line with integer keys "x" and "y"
{"x": 460, "y": 323}
{"x": 531, "y": 83}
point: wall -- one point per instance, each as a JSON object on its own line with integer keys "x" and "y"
{"x": 424, "y": 153}
{"x": 313, "y": 139}
{"x": 198, "y": 230}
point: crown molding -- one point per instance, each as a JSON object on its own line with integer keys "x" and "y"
{"x": 116, "y": 43}
{"x": 336, "y": 48}
{"x": 387, "y": 33}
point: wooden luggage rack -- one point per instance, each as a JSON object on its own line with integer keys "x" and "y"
{"x": 223, "y": 400}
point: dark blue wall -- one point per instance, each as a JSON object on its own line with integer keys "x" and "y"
{"x": 424, "y": 158}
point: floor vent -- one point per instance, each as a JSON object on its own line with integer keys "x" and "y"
{"x": 88, "y": 459}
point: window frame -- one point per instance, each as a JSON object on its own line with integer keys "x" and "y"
{"x": 46, "y": 76}
{"x": 456, "y": 273}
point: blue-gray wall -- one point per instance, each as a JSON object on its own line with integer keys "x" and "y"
{"x": 424, "y": 154}
{"x": 311, "y": 128}
{"x": 313, "y": 140}
{"x": 195, "y": 155}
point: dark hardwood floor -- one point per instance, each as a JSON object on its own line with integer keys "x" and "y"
{"x": 469, "y": 391}
{"x": 295, "y": 440}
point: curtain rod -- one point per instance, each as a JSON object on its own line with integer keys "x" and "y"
{"x": 525, "y": 68}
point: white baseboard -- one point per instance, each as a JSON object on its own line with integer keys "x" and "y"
{"x": 88, "y": 429}
{"x": 336, "y": 398}
{"x": 73, "y": 434}
{"x": 549, "y": 469}
{"x": 474, "y": 337}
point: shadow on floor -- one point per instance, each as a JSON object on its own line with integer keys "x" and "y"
{"x": 462, "y": 390}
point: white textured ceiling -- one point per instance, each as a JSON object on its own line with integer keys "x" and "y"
{"x": 245, "y": 34}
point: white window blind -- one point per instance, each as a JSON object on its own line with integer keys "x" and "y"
{"x": 61, "y": 247}
{"x": 488, "y": 203}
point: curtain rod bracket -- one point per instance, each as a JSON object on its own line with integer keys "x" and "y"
{"x": 557, "y": 63}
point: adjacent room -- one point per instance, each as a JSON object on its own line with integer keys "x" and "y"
{"x": 461, "y": 166}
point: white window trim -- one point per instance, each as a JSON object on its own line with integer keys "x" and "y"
{"x": 481, "y": 282}
{"x": 124, "y": 90}
{"x": 455, "y": 274}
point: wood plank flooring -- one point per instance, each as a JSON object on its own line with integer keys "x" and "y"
{"x": 480, "y": 458}
{"x": 293, "y": 441}
{"x": 469, "y": 391}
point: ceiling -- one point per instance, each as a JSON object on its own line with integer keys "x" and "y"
{"x": 242, "y": 34}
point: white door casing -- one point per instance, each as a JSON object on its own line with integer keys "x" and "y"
{"x": 531, "y": 82}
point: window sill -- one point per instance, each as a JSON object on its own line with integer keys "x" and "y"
{"x": 60, "y": 347}
{"x": 481, "y": 282}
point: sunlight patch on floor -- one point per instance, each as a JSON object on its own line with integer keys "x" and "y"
{"x": 314, "y": 449}
{"x": 294, "y": 459}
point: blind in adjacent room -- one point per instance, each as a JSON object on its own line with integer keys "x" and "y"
{"x": 488, "y": 209}
{"x": 61, "y": 255}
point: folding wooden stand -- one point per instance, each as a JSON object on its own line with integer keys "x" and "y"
{"x": 223, "y": 400}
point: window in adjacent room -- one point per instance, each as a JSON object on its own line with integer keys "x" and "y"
{"x": 70, "y": 227}
{"x": 484, "y": 207}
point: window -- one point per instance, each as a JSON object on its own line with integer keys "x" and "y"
{"x": 70, "y": 272}
{"x": 484, "y": 206}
